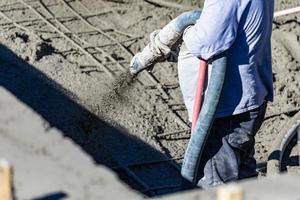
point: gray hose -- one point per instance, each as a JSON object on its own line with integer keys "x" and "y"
{"x": 162, "y": 42}
{"x": 186, "y": 19}
{"x": 205, "y": 120}
{"x": 280, "y": 144}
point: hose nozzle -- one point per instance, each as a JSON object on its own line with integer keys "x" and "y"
{"x": 135, "y": 65}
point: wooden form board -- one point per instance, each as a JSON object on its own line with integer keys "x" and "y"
{"x": 5, "y": 181}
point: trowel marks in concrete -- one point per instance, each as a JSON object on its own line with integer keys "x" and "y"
{"x": 117, "y": 92}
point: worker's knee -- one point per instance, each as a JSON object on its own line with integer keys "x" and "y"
{"x": 241, "y": 139}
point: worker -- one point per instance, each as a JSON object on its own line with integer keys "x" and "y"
{"x": 242, "y": 29}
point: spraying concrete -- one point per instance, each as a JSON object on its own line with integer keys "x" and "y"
{"x": 146, "y": 114}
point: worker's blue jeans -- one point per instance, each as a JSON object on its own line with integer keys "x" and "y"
{"x": 228, "y": 153}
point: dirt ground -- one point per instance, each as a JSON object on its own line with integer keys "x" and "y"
{"x": 81, "y": 49}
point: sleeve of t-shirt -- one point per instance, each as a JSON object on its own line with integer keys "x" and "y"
{"x": 215, "y": 31}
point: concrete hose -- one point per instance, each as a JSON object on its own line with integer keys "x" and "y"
{"x": 205, "y": 120}
{"x": 160, "y": 46}
{"x": 280, "y": 144}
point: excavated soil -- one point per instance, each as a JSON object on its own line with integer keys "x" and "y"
{"x": 82, "y": 49}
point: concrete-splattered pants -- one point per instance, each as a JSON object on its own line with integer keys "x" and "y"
{"x": 228, "y": 153}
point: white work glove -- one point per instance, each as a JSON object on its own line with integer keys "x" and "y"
{"x": 166, "y": 53}
{"x": 154, "y": 52}
{"x": 148, "y": 57}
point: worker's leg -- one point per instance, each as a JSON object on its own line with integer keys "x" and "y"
{"x": 188, "y": 67}
{"x": 228, "y": 153}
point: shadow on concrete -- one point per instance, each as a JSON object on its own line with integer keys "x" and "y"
{"x": 275, "y": 155}
{"x": 289, "y": 160}
{"x": 54, "y": 196}
{"x": 106, "y": 144}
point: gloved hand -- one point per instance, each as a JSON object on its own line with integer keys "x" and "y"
{"x": 153, "y": 53}
{"x": 162, "y": 41}
{"x": 148, "y": 57}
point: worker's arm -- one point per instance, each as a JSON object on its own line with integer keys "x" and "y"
{"x": 216, "y": 29}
